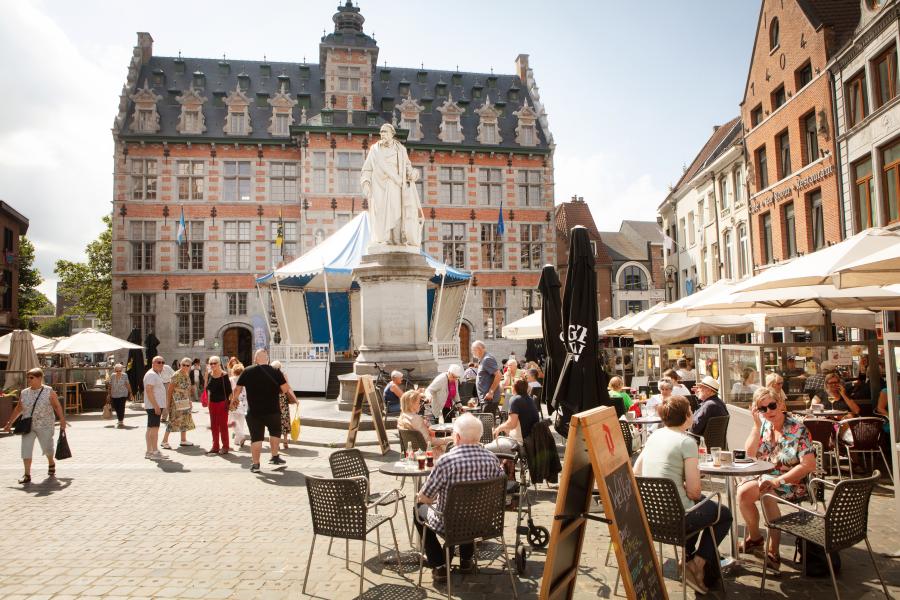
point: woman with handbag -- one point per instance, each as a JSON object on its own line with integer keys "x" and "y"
{"x": 38, "y": 402}
{"x": 218, "y": 391}
{"x": 119, "y": 393}
{"x": 178, "y": 401}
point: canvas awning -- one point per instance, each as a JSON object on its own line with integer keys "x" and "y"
{"x": 526, "y": 328}
{"x": 36, "y": 340}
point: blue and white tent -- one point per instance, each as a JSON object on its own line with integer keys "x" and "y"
{"x": 317, "y": 301}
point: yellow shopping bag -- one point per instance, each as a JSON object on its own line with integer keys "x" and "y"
{"x": 295, "y": 426}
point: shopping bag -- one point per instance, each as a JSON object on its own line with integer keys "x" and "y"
{"x": 204, "y": 399}
{"x": 107, "y": 411}
{"x": 62, "y": 447}
{"x": 295, "y": 426}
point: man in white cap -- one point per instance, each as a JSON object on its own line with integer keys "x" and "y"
{"x": 710, "y": 404}
{"x": 443, "y": 392}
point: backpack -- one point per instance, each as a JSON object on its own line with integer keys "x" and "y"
{"x": 816, "y": 565}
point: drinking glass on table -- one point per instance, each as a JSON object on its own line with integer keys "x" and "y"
{"x": 716, "y": 453}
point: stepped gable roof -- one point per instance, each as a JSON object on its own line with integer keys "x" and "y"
{"x": 717, "y": 143}
{"x": 840, "y": 16}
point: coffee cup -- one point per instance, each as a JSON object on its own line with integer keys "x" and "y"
{"x": 726, "y": 457}
{"x": 739, "y": 454}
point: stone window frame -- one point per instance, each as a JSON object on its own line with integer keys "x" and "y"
{"x": 490, "y": 186}
{"x": 448, "y": 184}
{"x": 531, "y": 241}
{"x": 236, "y": 303}
{"x": 493, "y": 305}
{"x": 420, "y": 182}
{"x": 282, "y": 105}
{"x": 346, "y": 176}
{"x": 492, "y": 255}
{"x": 145, "y": 101}
{"x": 451, "y": 129}
{"x": 237, "y": 103}
{"x": 143, "y": 237}
{"x": 235, "y": 179}
{"x": 235, "y": 243}
{"x": 531, "y": 301}
{"x": 284, "y": 171}
{"x": 144, "y": 184}
{"x": 409, "y": 110}
{"x": 527, "y": 188}
{"x": 190, "y": 321}
{"x": 318, "y": 172}
{"x": 191, "y": 101}
{"x": 455, "y": 244}
{"x": 194, "y": 178}
{"x": 143, "y": 312}
{"x": 290, "y": 247}
{"x": 344, "y": 74}
{"x": 190, "y": 253}
{"x": 526, "y": 125}
{"x": 489, "y": 117}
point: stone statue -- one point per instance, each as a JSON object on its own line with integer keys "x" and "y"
{"x": 388, "y": 183}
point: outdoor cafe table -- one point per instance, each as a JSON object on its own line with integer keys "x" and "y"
{"x": 826, "y": 414}
{"x": 442, "y": 429}
{"x": 401, "y": 469}
{"x": 729, "y": 472}
{"x": 641, "y": 422}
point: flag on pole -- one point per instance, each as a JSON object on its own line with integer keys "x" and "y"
{"x": 501, "y": 228}
{"x": 279, "y": 233}
{"x": 182, "y": 229}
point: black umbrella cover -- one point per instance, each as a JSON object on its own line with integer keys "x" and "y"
{"x": 582, "y": 385}
{"x": 151, "y": 343}
{"x": 135, "y": 367}
{"x": 551, "y": 325}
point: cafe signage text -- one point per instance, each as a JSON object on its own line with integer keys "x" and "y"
{"x": 763, "y": 202}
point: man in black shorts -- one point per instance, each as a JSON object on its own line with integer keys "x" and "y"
{"x": 263, "y": 384}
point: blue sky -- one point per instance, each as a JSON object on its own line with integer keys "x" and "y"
{"x": 632, "y": 88}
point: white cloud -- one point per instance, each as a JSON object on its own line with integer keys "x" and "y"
{"x": 613, "y": 189}
{"x": 55, "y": 142}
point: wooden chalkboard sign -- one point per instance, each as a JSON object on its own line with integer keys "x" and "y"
{"x": 366, "y": 392}
{"x": 596, "y": 453}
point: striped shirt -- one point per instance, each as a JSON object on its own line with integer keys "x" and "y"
{"x": 467, "y": 462}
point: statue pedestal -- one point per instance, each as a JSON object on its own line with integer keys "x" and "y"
{"x": 393, "y": 303}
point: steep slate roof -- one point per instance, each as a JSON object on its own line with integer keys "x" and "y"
{"x": 721, "y": 139}
{"x": 840, "y": 16}
{"x": 577, "y": 212}
{"x": 623, "y": 246}
{"x": 649, "y": 231}
{"x": 494, "y": 87}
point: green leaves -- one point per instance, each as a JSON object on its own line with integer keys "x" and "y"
{"x": 85, "y": 288}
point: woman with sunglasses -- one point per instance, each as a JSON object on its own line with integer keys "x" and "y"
{"x": 218, "y": 390}
{"x": 782, "y": 439}
{"x": 39, "y": 402}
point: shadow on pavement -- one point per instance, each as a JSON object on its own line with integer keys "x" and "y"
{"x": 47, "y": 487}
{"x": 280, "y": 476}
{"x": 171, "y": 466}
{"x": 393, "y": 591}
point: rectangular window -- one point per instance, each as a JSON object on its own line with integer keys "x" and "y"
{"x": 237, "y": 245}
{"x": 348, "y": 79}
{"x": 891, "y": 162}
{"x": 451, "y": 130}
{"x": 319, "y": 174}
{"x": 453, "y": 240}
{"x": 723, "y": 192}
{"x": 683, "y": 230}
{"x": 236, "y": 181}
{"x": 817, "y": 220}
{"x": 790, "y": 230}
{"x": 726, "y": 257}
{"x": 811, "y": 136}
{"x": 531, "y": 301}
{"x": 737, "y": 185}
{"x": 493, "y": 308}
{"x": 189, "y": 314}
{"x": 237, "y": 303}
{"x": 756, "y": 116}
{"x": 531, "y": 238}
{"x": 491, "y": 247}
{"x": 283, "y": 182}
{"x": 714, "y": 275}
{"x": 452, "y": 185}
{"x": 885, "y": 69}
{"x": 526, "y": 135}
{"x": 762, "y": 169}
{"x": 857, "y": 99}
{"x": 143, "y": 245}
{"x": 490, "y": 188}
{"x": 529, "y": 183}
{"x": 778, "y": 98}
{"x": 420, "y": 182}
{"x": 143, "y": 179}
{"x": 143, "y": 313}
{"x": 349, "y": 165}
{"x": 190, "y": 179}
{"x": 784, "y": 154}
{"x": 692, "y": 229}
{"x": 803, "y": 75}
{"x": 766, "y": 232}
{"x": 289, "y": 247}
{"x": 237, "y": 123}
{"x": 145, "y": 120}
{"x": 864, "y": 194}
{"x": 488, "y": 133}
{"x": 190, "y": 252}
{"x": 700, "y": 212}
{"x": 743, "y": 251}
{"x": 192, "y": 121}
{"x": 282, "y": 124}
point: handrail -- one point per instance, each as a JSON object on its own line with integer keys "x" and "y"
{"x": 300, "y": 352}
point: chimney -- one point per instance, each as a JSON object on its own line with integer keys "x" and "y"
{"x": 522, "y": 67}
{"x": 145, "y": 43}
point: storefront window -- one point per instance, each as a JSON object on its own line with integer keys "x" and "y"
{"x": 740, "y": 375}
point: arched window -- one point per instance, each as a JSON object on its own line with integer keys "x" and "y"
{"x": 633, "y": 278}
{"x": 773, "y": 34}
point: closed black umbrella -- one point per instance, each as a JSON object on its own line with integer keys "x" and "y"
{"x": 151, "y": 343}
{"x": 135, "y": 367}
{"x": 551, "y": 326}
{"x": 582, "y": 382}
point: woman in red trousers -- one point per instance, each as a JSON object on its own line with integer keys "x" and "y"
{"x": 218, "y": 391}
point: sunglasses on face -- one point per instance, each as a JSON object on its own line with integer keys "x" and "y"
{"x": 767, "y": 407}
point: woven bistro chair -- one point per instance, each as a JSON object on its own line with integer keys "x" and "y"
{"x": 822, "y": 431}
{"x": 411, "y": 436}
{"x": 667, "y": 518}
{"x": 844, "y": 523}
{"x": 349, "y": 463}
{"x": 473, "y": 511}
{"x": 339, "y": 510}
{"x": 816, "y": 491}
{"x": 487, "y": 425}
{"x": 716, "y": 432}
{"x": 626, "y": 434}
{"x": 866, "y": 434}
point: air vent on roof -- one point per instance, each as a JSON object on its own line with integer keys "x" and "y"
{"x": 199, "y": 79}
{"x": 284, "y": 82}
{"x": 244, "y": 81}
{"x": 159, "y": 78}
{"x": 179, "y": 66}
{"x": 492, "y": 81}
{"x": 385, "y": 75}
{"x": 224, "y": 68}
{"x": 304, "y": 72}
{"x": 422, "y": 76}
{"x": 265, "y": 70}
{"x": 456, "y": 79}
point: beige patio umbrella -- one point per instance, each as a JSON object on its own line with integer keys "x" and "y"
{"x": 624, "y": 326}
{"x": 36, "y": 340}
{"x": 89, "y": 341}
{"x": 527, "y": 328}
{"x": 22, "y": 357}
{"x": 800, "y": 300}
{"x": 878, "y": 268}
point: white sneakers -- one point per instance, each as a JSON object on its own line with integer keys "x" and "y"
{"x": 157, "y": 455}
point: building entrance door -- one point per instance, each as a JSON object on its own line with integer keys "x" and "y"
{"x": 237, "y": 341}
{"x": 464, "y": 343}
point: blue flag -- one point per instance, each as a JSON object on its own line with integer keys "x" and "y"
{"x": 501, "y": 228}
{"x": 182, "y": 229}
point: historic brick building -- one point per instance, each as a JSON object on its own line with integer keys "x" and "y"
{"x": 789, "y": 129}
{"x": 13, "y": 224}
{"x": 241, "y": 145}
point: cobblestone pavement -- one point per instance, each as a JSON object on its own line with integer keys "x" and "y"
{"x": 115, "y": 525}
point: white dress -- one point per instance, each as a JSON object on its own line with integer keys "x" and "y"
{"x": 238, "y": 417}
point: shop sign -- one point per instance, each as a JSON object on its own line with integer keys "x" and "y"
{"x": 763, "y": 202}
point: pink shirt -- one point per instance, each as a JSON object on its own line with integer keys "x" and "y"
{"x": 451, "y": 393}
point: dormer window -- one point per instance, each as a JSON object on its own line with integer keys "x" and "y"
{"x": 284, "y": 82}
{"x": 159, "y": 78}
{"x": 488, "y": 124}
{"x": 422, "y": 76}
{"x": 191, "y": 120}
{"x": 385, "y": 75}
{"x": 146, "y": 117}
{"x": 179, "y": 66}
{"x": 224, "y": 68}
{"x": 265, "y": 70}
{"x": 244, "y": 82}
{"x": 409, "y": 118}
{"x": 440, "y": 90}
{"x": 456, "y": 79}
{"x": 199, "y": 80}
{"x": 513, "y": 95}
{"x": 476, "y": 93}
{"x": 451, "y": 128}
{"x": 237, "y": 119}
{"x": 348, "y": 79}
{"x": 526, "y": 130}
{"x": 492, "y": 81}
{"x": 304, "y": 72}
{"x": 404, "y": 88}
{"x": 282, "y": 113}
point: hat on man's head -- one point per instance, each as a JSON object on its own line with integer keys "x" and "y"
{"x": 711, "y": 383}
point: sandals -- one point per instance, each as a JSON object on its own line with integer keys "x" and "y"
{"x": 51, "y": 471}
{"x": 750, "y": 546}
{"x": 26, "y": 479}
{"x": 165, "y": 446}
{"x": 773, "y": 561}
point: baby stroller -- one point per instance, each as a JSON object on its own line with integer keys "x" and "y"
{"x": 513, "y": 457}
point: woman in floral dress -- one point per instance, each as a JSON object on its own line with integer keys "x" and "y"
{"x": 782, "y": 439}
{"x": 284, "y": 403}
{"x": 178, "y": 400}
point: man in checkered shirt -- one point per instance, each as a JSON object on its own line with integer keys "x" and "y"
{"x": 467, "y": 461}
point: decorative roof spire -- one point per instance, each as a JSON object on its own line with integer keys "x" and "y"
{"x": 348, "y": 19}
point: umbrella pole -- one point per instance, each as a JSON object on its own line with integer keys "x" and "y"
{"x": 287, "y": 329}
{"x": 265, "y": 308}
{"x": 829, "y": 335}
{"x": 328, "y": 313}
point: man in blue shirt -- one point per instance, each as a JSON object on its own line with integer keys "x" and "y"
{"x": 488, "y": 379}
{"x": 710, "y": 404}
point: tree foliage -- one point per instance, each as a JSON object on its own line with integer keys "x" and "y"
{"x": 31, "y": 301}
{"x": 56, "y": 327}
{"x": 85, "y": 288}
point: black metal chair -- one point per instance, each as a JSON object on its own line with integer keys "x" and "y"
{"x": 411, "y": 437}
{"x": 349, "y": 463}
{"x": 667, "y": 516}
{"x": 716, "y": 432}
{"x": 473, "y": 511}
{"x": 844, "y": 523}
{"x": 487, "y": 422}
{"x": 626, "y": 433}
{"x": 865, "y": 433}
{"x": 823, "y": 431}
{"x": 339, "y": 510}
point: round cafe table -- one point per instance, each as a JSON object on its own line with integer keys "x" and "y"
{"x": 641, "y": 423}
{"x": 827, "y": 414}
{"x": 442, "y": 429}
{"x": 401, "y": 469}
{"x": 730, "y": 472}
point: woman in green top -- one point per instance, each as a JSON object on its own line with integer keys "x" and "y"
{"x": 616, "y": 390}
